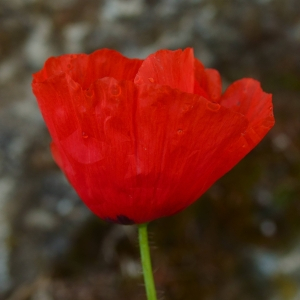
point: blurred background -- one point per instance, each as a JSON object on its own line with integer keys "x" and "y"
{"x": 241, "y": 240}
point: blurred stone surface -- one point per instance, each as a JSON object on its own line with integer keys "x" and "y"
{"x": 239, "y": 242}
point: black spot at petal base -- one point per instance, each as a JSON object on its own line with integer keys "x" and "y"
{"x": 120, "y": 219}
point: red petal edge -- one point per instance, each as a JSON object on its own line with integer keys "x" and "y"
{"x": 246, "y": 96}
{"x": 85, "y": 69}
{"x": 172, "y": 68}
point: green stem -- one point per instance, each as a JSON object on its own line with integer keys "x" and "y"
{"x": 146, "y": 262}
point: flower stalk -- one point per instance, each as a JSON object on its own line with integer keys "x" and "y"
{"x": 146, "y": 262}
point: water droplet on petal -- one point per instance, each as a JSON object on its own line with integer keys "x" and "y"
{"x": 186, "y": 107}
{"x": 115, "y": 90}
{"x": 73, "y": 56}
{"x": 179, "y": 131}
{"x": 215, "y": 96}
{"x": 82, "y": 109}
{"x": 213, "y": 106}
{"x": 60, "y": 113}
{"x": 137, "y": 79}
{"x": 151, "y": 80}
{"x": 84, "y": 135}
{"x": 89, "y": 93}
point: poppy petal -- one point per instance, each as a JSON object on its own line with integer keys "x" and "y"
{"x": 214, "y": 84}
{"x": 85, "y": 69}
{"x": 177, "y": 152}
{"x": 209, "y": 80}
{"x": 110, "y": 63}
{"x": 246, "y": 97}
{"x": 59, "y": 96}
{"x": 98, "y": 163}
{"x": 74, "y": 64}
{"x": 172, "y": 68}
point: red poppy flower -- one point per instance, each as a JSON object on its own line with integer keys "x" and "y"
{"x": 143, "y": 139}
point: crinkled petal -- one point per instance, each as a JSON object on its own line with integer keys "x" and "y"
{"x": 58, "y": 98}
{"x": 85, "y": 69}
{"x": 172, "y": 68}
{"x": 98, "y": 157}
{"x": 110, "y": 63}
{"x": 245, "y": 96}
{"x": 214, "y": 84}
{"x": 182, "y": 139}
{"x": 74, "y": 64}
{"x": 209, "y": 80}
